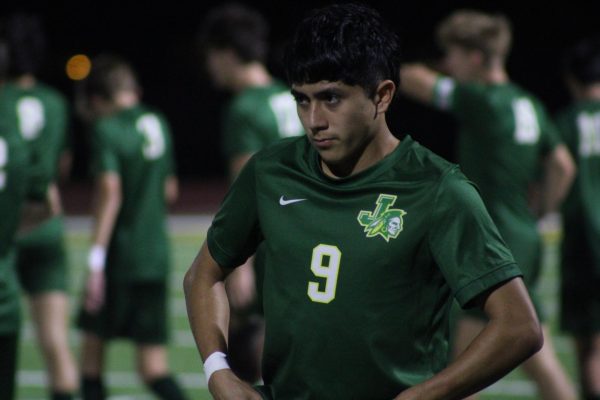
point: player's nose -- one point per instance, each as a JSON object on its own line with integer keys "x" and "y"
{"x": 316, "y": 118}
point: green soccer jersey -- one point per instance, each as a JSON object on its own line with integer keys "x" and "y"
{"x": 360, "y": 271}
{"x": 504, "y": 134}
{"x": 41, "y": 113}
{"x": 257, "y": 117}
{"x": 136, "y": 144}
{"x": 580, "y": 127}
{"x": 14, "y": 158}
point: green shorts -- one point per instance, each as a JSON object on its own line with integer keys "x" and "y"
{"x": 42, "y": 258}
{"x": 580, "y": 284}
{"x": 136, "y": 311}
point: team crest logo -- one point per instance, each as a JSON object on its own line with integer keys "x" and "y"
{"x": 384, "y": 221}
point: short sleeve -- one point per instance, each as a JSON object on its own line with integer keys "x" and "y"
{"x": 464, "y": 241}
{"x": 235, "y": 232}
{"x": 464, "y": 100}
{"x": 550, "y": 136}
{"x": 104, "y": 155}
{"x": 567, "y": 131}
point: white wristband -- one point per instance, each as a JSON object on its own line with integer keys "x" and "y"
{"x": 97, "y": 258}
{"x": 215, "y": 362}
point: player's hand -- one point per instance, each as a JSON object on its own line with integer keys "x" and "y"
{"x": 94, "y": 291}
{"x": 224, "y": 385}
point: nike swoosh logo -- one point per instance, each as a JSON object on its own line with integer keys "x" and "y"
{"x": 285, "y": 202}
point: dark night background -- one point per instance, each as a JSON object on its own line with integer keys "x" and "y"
{"x": 158, "y": 39}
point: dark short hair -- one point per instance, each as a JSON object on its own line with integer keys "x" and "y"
{"x": 236, "y": 27}
{"x": 109, "y": 75}
{"x": 582, "y": 61}
{"x": 26, "y": 43}
{"x": 350, "y": 43}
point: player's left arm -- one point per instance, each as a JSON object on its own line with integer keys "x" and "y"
{"x": 418, "y": 82}
{"x": 511, "y": 336}
{"x": 559, "y": 172}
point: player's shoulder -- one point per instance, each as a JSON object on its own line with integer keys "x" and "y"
{"x": 422, "y": 162}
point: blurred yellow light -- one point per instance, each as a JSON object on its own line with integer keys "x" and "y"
{"x": 78, "y": 67}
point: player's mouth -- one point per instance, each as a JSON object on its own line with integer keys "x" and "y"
{"x": 323, "y": 143}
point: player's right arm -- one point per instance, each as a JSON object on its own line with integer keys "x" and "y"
{"x": 510, "y": 337}
{"x": 418, "y": 82}
{"x": 208, "y": 313}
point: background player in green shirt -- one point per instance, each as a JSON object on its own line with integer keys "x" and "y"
{"x": 580, "y": 127}
{"x": 233, "y": 39}
{"x": 366, "y": 238}
{"x": 14, "y": 159}
{"x": 126, "y": 291}
{"x": 505, "y": 139}
{"x": 41, "y": 114}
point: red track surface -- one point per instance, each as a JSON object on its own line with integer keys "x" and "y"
{"x": 195, "y": 197}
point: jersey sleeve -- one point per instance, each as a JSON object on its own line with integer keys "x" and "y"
{"x": 465, "y": 243}
{"x": 463, "y": 100}
{"x": 241, "y": 131}
{"x": 235, "y": 232}
{"x": 550, "y": 137}
{"x": 566, "y": 130}
{"x": 104, "y": 155}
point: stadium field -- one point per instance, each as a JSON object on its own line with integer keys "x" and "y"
{"x": 187, "y": 235}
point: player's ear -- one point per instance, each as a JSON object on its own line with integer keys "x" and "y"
{"x": 384, "y": 94}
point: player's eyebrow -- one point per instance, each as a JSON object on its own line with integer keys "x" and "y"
{"x": 321, "y": 94}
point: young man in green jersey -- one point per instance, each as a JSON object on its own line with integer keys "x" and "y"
{"x": 367, "y": 239}
{"x": 41, "y": 114}
{"x": 233, "y": 40}
{"x": 505, "y": 138}
{"x": 580, "y": 126}
{"x": 127, "y": 286}
{"x": 14, "y": 159}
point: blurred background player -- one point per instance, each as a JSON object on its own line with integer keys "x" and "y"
{"x": 135, "y": 181}
{"x": 233, "y": 41}
{"x": 580, "y": 126}
{"x": 14, "y": 159}
{"x": 505, "y": 138}
{"x": 41, "y": 115}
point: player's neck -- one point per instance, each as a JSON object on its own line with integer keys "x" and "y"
{"x": 376, "y": 149}
{"x": 494, "y": 75}
{"x": 252, "y": 75}
{"x": 26, "y": 81}
{"x": 126, "y": 99}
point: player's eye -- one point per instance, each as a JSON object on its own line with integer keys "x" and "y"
{"x": 301, "y": 100}
{"x": 331, "y": 98}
